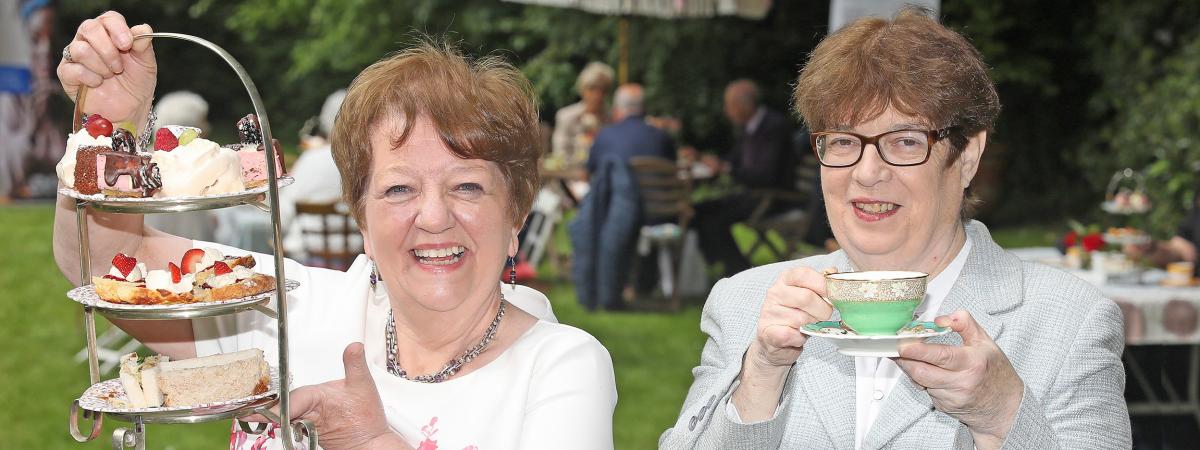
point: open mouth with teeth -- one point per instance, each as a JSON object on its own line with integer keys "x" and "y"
{"x": 875, "y": 210}
{"x": 439, "y": 256}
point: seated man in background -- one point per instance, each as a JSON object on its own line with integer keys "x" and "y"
{"x": 629, "y": 135}
{"x": 604, "y": 231}
{"x": 1180, "y": 247}
{"x": 317, "y": 181}
{"x": 761, "y": 157}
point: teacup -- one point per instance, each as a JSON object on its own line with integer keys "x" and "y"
{"x": 874, "y": 303}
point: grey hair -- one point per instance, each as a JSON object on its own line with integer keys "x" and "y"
{"x": 594, "y": 73}
{"x": 330, "y": 109}
{"x": 182, "y": 108}
{"x": 630, "y": 101}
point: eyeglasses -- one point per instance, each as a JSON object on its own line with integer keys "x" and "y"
{"x": 899, "y": 148}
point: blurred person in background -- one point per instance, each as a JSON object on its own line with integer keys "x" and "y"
{"x": 576, "y": 125}
{"x": 26, "y": 132}
{"x": 316, "y": 181}
{"x": 1182, "y": 247}
{"x": 188, "y": 109}
{"x": 604, "y": 231}
{"x": 761, "y": 157}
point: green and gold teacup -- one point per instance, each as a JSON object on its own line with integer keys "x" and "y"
{"x": 876, "y": 303}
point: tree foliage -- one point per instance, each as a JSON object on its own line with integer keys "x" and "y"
{"x": 1147, "y": 108}
{"x": 1087, "y": 87}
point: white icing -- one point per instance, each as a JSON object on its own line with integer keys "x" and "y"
{"x": 161, "y": 279}
{"x": 238, "y": 273}
{"x": 199, "y": 168}
{"x": 134, "y": 275}
{"x": 66, "y": 165}
{"x": 211, "y": 256}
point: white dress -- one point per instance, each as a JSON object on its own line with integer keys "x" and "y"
{"x": 553, "y": 388}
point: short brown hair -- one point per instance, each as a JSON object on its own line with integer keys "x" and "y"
{"x": 482, "y": 109}
{"x": 911, "y": 63}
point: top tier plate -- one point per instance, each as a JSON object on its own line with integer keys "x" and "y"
{"x": 151, "y": 205}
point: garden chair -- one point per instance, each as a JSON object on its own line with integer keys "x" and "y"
{"x": 331, "y": 236}
{"x": 665, "y": 196}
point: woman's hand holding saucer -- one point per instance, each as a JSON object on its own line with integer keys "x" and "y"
{"x": 974, "y": 383}
{"x": 793, "y": 301}
{"x": 347, "y": 413}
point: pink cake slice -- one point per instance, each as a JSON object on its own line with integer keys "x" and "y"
{"x": 254, "y": 165}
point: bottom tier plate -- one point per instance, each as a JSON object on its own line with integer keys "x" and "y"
{"x": 108, "y": 396}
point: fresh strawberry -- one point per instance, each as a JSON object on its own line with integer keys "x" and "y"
{"x": 165, "y": 140}
{"x": 220, "y": 268}
{"x": 110, "y": 277}
{"x": 191, "y": 261}
{"x": 124, "y": 263}
{"x": 99, "y": 126}
{"x": 175, "y": 275}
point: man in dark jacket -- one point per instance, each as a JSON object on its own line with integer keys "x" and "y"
{"x": 604, "y": 231}
{"x": 629, "y": 135}
{"x": 761, "y": 157}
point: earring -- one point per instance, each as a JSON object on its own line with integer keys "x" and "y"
{"x": 512, "y": 274}
{"x": 374, "y": 274}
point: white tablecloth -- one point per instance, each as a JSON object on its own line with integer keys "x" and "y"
{"x": 1154, "y": 314}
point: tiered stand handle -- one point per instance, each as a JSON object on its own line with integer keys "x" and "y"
{"x": 135, "y": 438}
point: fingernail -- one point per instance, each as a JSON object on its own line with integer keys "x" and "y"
{"x": 124, "y": 39}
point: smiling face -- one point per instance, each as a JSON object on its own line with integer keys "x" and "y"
{"x": 438, "y": 226}
{"x": 899, "y": 218}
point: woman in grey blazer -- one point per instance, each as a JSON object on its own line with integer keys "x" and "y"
{"x": 902, "y": 110}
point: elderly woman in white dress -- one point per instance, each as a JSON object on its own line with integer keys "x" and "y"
{"x": 439, "y": 154}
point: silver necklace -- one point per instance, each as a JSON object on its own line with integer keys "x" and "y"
{"x": 451, "y": 367}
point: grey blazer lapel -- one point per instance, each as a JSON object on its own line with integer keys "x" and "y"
{"x": 990, "y": 284}
{"x": 828, "y": 380}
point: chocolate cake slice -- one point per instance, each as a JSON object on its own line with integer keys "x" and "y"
{"x": 85, "y": 169}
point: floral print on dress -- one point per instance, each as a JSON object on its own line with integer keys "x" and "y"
{"x": 429, "y": 443}
{"x": 238, "y": 438}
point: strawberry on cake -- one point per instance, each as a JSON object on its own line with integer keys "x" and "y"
{"x": 202, "y": 276}
{"x": 194, "y": 166}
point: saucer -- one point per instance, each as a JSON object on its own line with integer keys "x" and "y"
{"x": 851, "y": 344}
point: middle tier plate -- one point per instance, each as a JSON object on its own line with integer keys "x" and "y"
{"x": 86, "y": 296}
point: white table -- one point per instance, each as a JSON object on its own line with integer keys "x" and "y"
{"x": 1155, "y": 316}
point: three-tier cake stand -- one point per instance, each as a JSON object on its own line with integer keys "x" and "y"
{"x": 274, "y": 405}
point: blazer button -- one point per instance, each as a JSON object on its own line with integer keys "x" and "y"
{"x": 692, "y": 424}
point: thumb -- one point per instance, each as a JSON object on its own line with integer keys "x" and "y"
{"x": 354, "y": 359}
{"x": 962, "y": 323}
{"x": 141, "y": 47}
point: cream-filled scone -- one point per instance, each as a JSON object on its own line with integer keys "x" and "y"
{"x": 200, "y": 167}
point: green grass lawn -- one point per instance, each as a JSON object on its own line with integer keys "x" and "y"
{"x": 653, "y": 353}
